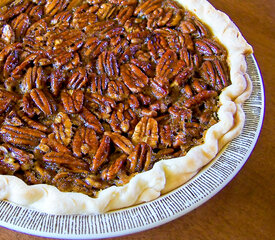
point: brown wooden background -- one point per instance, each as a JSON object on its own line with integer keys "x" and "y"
{"x": 245, "y": 208}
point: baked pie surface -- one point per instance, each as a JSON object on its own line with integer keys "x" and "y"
{"x": 94, "y": 94}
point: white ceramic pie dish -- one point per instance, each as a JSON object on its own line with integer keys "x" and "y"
{"x": 166, "y": 175}
{"x": 210, "y": 180}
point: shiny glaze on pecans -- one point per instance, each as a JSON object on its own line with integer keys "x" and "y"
{"x": 93, "y": 92}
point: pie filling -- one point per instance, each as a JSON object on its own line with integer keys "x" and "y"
{"x": 93, "y": 92}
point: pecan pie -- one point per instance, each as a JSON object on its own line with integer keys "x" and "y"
{"x": 109, "y": 103}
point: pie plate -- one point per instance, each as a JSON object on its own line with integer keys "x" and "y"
{"x": 209, "y": 181}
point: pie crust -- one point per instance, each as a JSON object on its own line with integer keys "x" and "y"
{"x": 166, "y": 175}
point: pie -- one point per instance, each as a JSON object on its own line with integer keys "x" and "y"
{"x": 109, "y": 103}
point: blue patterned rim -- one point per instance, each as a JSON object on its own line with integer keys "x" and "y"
{"x": 162, "y": 210}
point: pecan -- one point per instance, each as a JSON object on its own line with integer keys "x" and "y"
{"x": 120, "y": 141}
{"x": 84, "y": 142}
{"x": 179, "y": 112}
{"x": 65, "y": 159}
{"x": 50, "y": 144}
{"x": 24, "y": 158}
{"x": 100, "y": 26}
{"x": 6, "y": 100}
{"x": 11, "y": 63}
{"x": 143, "y": 63}
{"x": 8, "y": 35}
{"x": 94, "y": 47}
{"x": 207, "y": 47}
{"x": 199, "y": 98}
{"x": 28, "y": 105}
{"x": 159, "y": 106}
{"x": 31, "y": 123}
{"x": 168, "y": 66}
{"x": 133, "y": 77}
{"x": 72, "y": 103}
{"x": 146, "y": 131}
{"x": 34, "y": 77}
{"x": 62, "y": 128}
{"x": 123, "y": 119}
{"x": 56, "y": 79}
{"x": 64, "y": 16}
{"x": 147, "y": 7}
{"x": 99, "y": 103}
{"x": 160, "y": 87}
{"x": 124, "y": 2}
{"x": 43, "y": 101}
{"x": 78, "y": 79}
{"x": 83, "y": 19}
{"x": 8, "y": 164}
{"x": 21, "y": 135}
{"x": 114, "y": 33}
{"x": 128, "y": 52}
{"x": 98, "y": 83}
{"x": 165, "y": 133}
{"x": 187, "y": 27}
{"x": 107, "y": 63}
{"x": 117, "y": 90}
{"x": 14, "y": 10}
{"x": 140, "y": 159}
{"x": 54, "y": 6}
{"x": 102, "y": 153}
{"x": 124, "y": 14}
{"x": 20, "y": 24}
{"x": 13, "y": 119}
{"x": 8, "y": 50}
{"x": 36, "y": 13}
{"x": 27, "y": 61}
{"x": 111, "y": 172}
{"x": 70, "y": 40}
{"x": 91, "y": 120}
{"x": 106, "y": 11}
{"x": 214, "y": 74}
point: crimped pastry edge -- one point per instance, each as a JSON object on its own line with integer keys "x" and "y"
{"x": 166, "y": 175}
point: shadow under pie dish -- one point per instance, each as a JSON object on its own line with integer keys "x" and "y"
{"x": 95, "y": 94}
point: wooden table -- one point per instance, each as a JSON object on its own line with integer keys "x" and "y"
{"x": 245, "y": 208}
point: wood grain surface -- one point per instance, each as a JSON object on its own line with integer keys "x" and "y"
{"x": 244, "y": 209}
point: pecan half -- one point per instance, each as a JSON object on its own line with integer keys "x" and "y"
{"x": 133, "y": 77}
{"x": 84, "y": 142}
{"x": 43, "y": 101}
{"x": 214, "y": 74}
{"x": 140, "y": 159}
{"x": 24, "y": 158}
{"x": 111, "y": 172}
{"x": 73, "y": 103}
{"x": 146, "y": 131}
{"x": 121, "y": 142}
{"x": 66, "y": 160}
{"x": 98, "y": 83}
{"x": 8, "y": 35}
{"x": 78, "y": 79}
{"x": 21, "y": 135}
{"x": 20, "y": 24}
{"x": 6, "y": 100}
{"x": 117, "y": 90}
{"x": 107, "y": 63}
{"x": 62, "y": 128}
{"x": 50, "y": 144}
{"x": 91, "y": 120}
{"x": 102, "y": 153}
{"x": 199, "y": 98}
{"x": 34, "y": 78}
